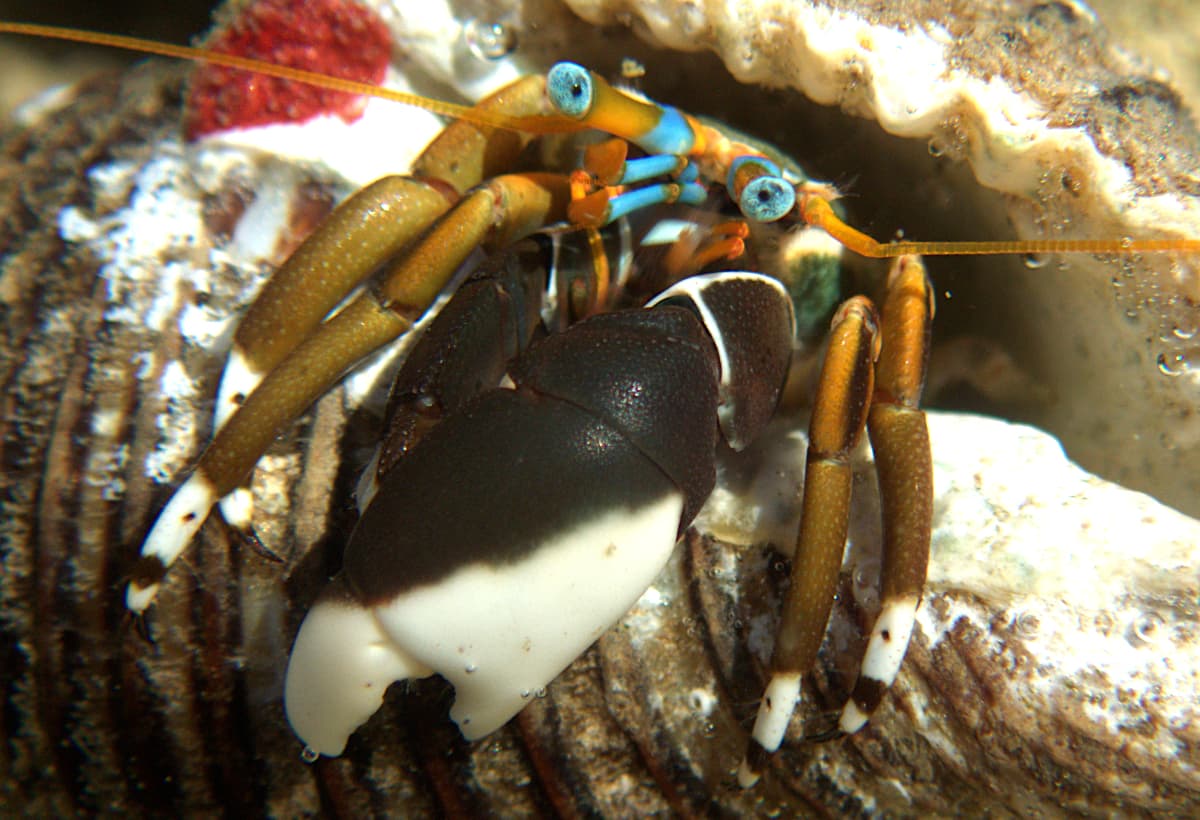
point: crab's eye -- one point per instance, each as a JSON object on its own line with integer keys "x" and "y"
{"x": 760, "y": 189}
{"x": 767, "y": 199}
{"x": 570, "y": 89}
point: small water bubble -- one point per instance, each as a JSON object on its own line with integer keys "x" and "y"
{"x": 1145, "y": 630}
{"x": 489, "y": 41}
{"x": 1126, "y": 243}
{"x": 1033, "y": 261}
{"x": 540, "y": 693}
{"x": 1026, "y": 625}
{"x": 937, "y": 148}
{"x": 309, "y": 755}
{"x": 710, "y": 729}
{"x": 1171, "y": 364}
{"x": 1184, "y": 332}
{"x": 526, "y": 694}
{"x": 470, "y": 668}
{"x": 1149, "y": 626}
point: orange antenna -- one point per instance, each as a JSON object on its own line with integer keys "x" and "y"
{"x": 816, "y": 211}
{"x": 446, "y": 109}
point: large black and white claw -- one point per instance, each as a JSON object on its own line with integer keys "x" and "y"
{"x": 341, "y": 664}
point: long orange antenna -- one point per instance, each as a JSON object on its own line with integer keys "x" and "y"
{"x": 816, "y": 211}
{"x": 136, "y": 44}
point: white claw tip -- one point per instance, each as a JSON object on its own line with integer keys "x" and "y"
{"x": 340, "y": 666}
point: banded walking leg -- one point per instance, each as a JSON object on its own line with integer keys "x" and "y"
{"x": 496, "y": 213}
{"x": 838, "y": 417}
{"x": 361, "y": 234}
{"x": 900, "y": 440}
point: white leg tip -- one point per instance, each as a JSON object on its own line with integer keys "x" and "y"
{"x": 889, "y": 640}
{"x": 138, "y": 598}
{"x": 853, "y": 718}
{"x": 174, "y": 529}
{"x": 237, "y": 508}
{"x": 775, "y": 710}
{"x": 746, "y": 777}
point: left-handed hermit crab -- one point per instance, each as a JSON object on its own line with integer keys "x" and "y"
{"x": 442, "y": 387}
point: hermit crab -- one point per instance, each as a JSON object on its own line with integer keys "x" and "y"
{"x": 443, "y": 417}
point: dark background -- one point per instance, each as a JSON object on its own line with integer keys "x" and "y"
{"x": 28, "y": 65}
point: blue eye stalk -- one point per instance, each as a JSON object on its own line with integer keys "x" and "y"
{"x": 666, "y": 133}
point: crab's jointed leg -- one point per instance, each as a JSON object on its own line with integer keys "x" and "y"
{"x": 361, "y": 234}
{"x": 497, "y": 212}
{"x": 900, "y": 441}
{"x": 838, "y": 418}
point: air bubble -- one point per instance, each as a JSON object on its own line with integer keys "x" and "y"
{"x": 1026, "y": 625}
{"x": 937, "y": 148}
{"x": 470, "y": 668}
{"x": 1149, "y": 626}
{"x": 309, "y": 755}
{"x": 489, "y": 41}
{"x": 540, "y": 693}
{"x": 1146, "y": 630}
{"x": 526, "y": 694}
{"x": 1172, "y": 364}
{"x": 1033, "y": 261}
{"x": 1184, "y": 333}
